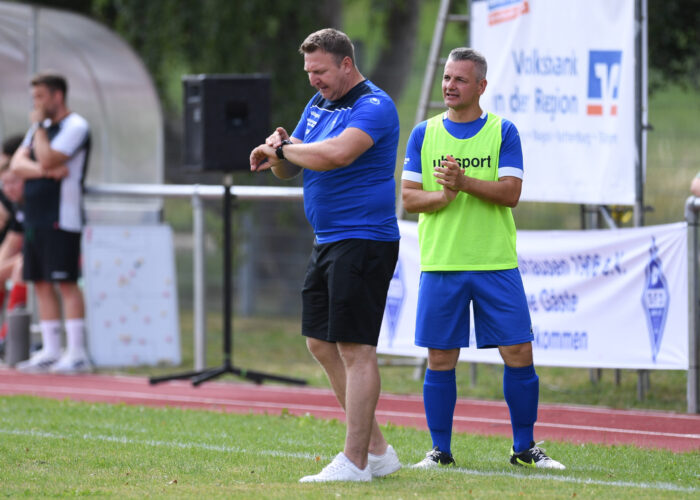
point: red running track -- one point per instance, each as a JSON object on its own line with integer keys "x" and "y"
{"x": 578, "y": 424}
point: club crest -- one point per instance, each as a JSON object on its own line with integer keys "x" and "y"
{"x": 655, "y": 299}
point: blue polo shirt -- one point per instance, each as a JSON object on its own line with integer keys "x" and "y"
{"x": 358, "y": 200}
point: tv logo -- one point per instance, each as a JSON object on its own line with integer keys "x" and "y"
{"x": 604, "y": 71}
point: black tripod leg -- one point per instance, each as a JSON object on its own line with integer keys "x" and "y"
{"x": 176, "y": 376}
{"x": 259, "y": 377}
{"x": 208, "y": 375}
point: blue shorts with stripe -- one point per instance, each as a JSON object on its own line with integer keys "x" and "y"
{"x": 501, "y": 314}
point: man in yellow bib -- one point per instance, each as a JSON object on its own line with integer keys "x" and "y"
{"x": 463, "y": 173}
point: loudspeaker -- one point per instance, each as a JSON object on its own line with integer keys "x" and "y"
{"x": 226, "y": 116}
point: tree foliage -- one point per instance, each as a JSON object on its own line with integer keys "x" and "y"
{"x": 396, "y": 56}
{"x": 674, "y": 42}
{"x": 176, "y": 37}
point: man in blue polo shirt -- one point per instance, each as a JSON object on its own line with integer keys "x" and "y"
{"x": 345, "y": 143}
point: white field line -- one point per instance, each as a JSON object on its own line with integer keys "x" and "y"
{"x": 173, "y": 398}
{"x": 310, "y": 456}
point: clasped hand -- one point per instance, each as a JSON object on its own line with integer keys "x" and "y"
{"x": 450, "y": 176}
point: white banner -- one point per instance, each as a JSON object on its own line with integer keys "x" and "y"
{"x": 131, "y": 295}
{"x": 598, "y": 299}
{"x": 564, "y": 73}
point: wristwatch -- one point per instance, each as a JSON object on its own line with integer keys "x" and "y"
{"x": 45, "y": 123}
{"x": 279, "y": 152}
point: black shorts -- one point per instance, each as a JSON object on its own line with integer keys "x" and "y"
{"x": 345, "y": 290}
{"x": 51, "y": 255}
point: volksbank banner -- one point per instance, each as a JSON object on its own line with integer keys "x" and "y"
{"x": 598, "y": 299}
{"x": 564, "y": 73}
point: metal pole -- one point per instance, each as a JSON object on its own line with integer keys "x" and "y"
{"x": 33, "y": 32}
{"x": 693, "y": 385}
{"x": 228, "y": 269}
{"x": 640, "y": 108}
{"x": 640, "y": 112}
{"x": 200, "y": 323}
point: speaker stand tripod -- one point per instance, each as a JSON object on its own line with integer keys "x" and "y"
{"x": 199, "y": 377}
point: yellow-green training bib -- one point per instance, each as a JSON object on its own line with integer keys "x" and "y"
{"x": 469, "y": 234}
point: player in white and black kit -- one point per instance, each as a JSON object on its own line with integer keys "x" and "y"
{"x": 53, "y": 161}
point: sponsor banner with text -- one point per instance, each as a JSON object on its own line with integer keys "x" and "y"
{"x": 598, "y": 299}
{"x": 564, "y": 74}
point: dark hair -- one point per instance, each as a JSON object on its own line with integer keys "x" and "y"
{"x": 466, "y": 54}
{"x": 11, "y": 144}
{"x": 329, "y": 40}
{"x": 53, "y": 81}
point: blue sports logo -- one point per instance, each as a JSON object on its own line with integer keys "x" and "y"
{"x": 394, "y": 301}
{"x": 604, "y": 72}
{"x": 655, "y": 299}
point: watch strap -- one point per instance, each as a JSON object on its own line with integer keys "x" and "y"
{"x": 279, "y": 151}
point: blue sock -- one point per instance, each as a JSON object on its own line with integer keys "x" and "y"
{"x": 521, "y": 388}
{"x": 440, "y": 398}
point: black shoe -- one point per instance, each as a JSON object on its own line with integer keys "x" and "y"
{"x": 435, "y": 458}
{"x": 534, "y": 457}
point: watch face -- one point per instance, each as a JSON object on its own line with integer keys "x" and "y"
{"x": 46, "y": 123}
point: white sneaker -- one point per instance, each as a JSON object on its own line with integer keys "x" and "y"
{"x": 39, "y": 362}
{"x": 534, "y": 457}
{"x": 383, "y": 465}
{"x": 340, "y": 469}
{"x": 71, "y": 363}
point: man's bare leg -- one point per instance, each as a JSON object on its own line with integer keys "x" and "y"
{"x": 328, "y": 356}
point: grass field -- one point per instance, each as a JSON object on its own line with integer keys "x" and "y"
{"x": 67, "y": 449}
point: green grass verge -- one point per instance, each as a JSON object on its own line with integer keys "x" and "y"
{"x": 66, "y": 449}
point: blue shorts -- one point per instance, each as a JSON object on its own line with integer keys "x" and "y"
{"x": 501, "y": 314}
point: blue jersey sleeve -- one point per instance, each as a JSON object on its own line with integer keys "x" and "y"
{"x": 510, "y": 162}
{"x": 412, "y": 170}
{"x": 369, "y": 114}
